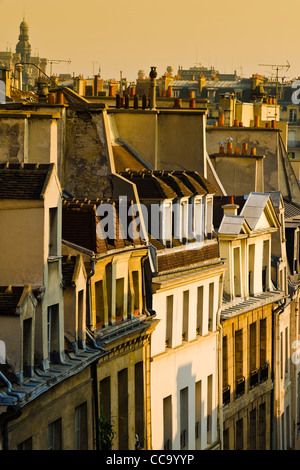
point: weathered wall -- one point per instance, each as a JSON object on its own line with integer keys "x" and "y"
{"x": 165, "y": 139}
{"x": 264, "y": 140}
{"x": 86, "y": 169}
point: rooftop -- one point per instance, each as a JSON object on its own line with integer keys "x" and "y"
{"x": 24, "y": 180}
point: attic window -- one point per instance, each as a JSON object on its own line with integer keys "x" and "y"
{"x": 53, "y": 231}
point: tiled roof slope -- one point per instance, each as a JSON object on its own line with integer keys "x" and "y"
{"x": 291, "y": 211}
{"x": 164, "y": 184}
{"x": 68, "y": 266}
{"x": 24, "y": 180}
{"x": 9, "y": 299}
{"x": 124, "y": 159}
{"x": 173, "y": 260}
{"x": 80, "y": 226}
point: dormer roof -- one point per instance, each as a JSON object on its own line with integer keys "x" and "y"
{"x": 24, "y": 180}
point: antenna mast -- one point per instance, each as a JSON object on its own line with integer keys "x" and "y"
{"x": 277, "y": 68}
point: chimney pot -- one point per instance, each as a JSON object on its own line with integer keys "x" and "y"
{"x": 253, "y": 151}
{"x": 244, "y": 149}
{"x": 221, "y": 119}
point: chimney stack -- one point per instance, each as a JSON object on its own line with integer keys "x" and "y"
{"x": 231, "y": 208}
{"x": 153, "y": 75}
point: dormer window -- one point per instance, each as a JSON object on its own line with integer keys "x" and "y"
{"x": 53, "y": 231}
{"x": 209, "y": 217}
{"x": 166, "y": 223}
{"x": 199, "y": 213}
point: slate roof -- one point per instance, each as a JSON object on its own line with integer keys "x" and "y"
{"x": 24, "y": 180}
{"x": 291, "y": 212}
{"x": 254, "y": 208}
{"x": 68, "y": 266}
{"x": 231, "y": 224}
{"x": 220, "y": 201}
{"x": 80, "y": 225}
{"x": 165, "y": 184}
{"x": 124, "y": 159}
{"x": 9, "y": 299}
{"x": 172, "y": 260}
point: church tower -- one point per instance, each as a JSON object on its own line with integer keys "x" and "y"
{"x": 23, "y": 47}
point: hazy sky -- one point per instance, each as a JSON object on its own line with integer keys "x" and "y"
{"x": 131, "y": 35}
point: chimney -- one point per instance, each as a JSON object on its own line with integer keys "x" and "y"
{"x": 253, "y": 151}
{"x": 256, "y": 121}
{"x": 19, "y": 75}
{"x": 170, "y": 91}
{"x": 42, "y": 90}
{"x": 221, "y": 119}
{"x": 153, "y": 75}
{"x": 244, "y": 149}
{"x": 5, "y": 76}
{"x": 231, "y": 208}
{"x": 177, "y": 103}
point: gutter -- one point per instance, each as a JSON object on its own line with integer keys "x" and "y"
{"x": 277, "y": 310}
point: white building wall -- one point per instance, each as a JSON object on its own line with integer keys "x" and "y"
{"x": 185, "y": 364}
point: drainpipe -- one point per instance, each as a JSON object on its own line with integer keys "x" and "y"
{"x": 96, "y": 400}
{"x": 16, "y": 414}
{"x": 220, "y": 360}
{"x": 88, "y": 290}
{"x": 275, "y": 317}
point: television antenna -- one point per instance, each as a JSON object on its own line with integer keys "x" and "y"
{"x": 277, "y": 68}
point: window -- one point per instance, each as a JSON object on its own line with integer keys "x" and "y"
{"x": 184, "y": 414}
{"x": 237, "y": 272}
{"x": 27, "y": 347}
{"x": 81, "y": 431}
{"x": 200, "y": 310}
{"x": 262, "y": 427}
{"x": 198, "y": 413}
{"x": 263, "y": 342}
{"x": 169, "y": 321}
{"x": 286, "y": 351}
{"x": 119, "y": 299}
{"x": 167, "y": 422}
{"x": 265, "y": 268}
{"x": 136, "y": 284}
{"x": 25, "y": 445}
{"x": 240, "y": 379}
{"x": 53, "y": 333}
{"x": 251, "y": 268}
{"x": 239, "y": 435}
{"x": 209, "y": 408}
{"x": 185, "y": 315}
{"x": 211, "y": 307}
{"x": 80, "y": 315}
{"x": 53, "y": 231}
{"x": 252, "y": 419}
{"x": 139, "y": 401}
{"x": 99, "y": 304}
{"x": 292, "y": 115}
{"x": 55, "y": 435}
{"x": 123, "y": 409}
